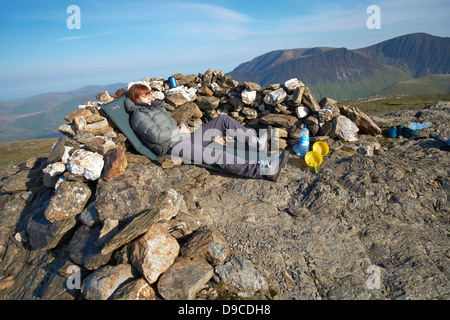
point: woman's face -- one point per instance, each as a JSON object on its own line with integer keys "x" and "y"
{"x": 146, "y": 98}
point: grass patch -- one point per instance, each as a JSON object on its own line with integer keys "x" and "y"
{"x": 347, "y": 149}
{"x": 380, "y": 105}
{"x": 16, "y": 152}
{"x": 386, "y": 142}
{"x": 429, "y": 84}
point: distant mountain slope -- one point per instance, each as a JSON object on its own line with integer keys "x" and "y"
{"x": 41, "y": 115}
{"x": 338, "y": 73}
{"x": 46, "y": 101}
{"x": 420, "y": 53}
{"x": 429, "y": 84}
{"x": 274, "y": 58}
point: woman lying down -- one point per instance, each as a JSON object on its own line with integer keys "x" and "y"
{"x": 161, "y": 133}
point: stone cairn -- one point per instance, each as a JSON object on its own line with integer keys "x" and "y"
{"x": 132, "y": 235}
{"x": 287, "y": 107}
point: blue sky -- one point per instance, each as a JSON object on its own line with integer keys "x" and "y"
{"x": 122, "y": 41}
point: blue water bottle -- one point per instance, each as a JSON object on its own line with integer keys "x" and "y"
{"x": 172, "y": 82}
{"x": 296, "y": 148}
{"x": 304, "y": 141}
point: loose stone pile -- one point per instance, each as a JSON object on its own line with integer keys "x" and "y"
{"x": 131, "y": 235}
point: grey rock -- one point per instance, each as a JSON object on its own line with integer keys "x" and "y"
{"x": 298, "y": 95}
{"x": 344, "y": 129}
{"x": 252, "y": 86}
{"x": 110, "y": 227}
{"x": 36, "y": 274}
{"x": 130, "y": 193}
{"x": 57, "y": 151}
{"x": 55, "y": 285}
{"x": 292, "y": 84}
{"x": 207, "y": 102}
{"x": 176, "y": 98}
{"x": 309, "y": 100}
{"x": 206, "y": 243}
{"x": 275, "y": 97}
{"x": 24, "y": 180}
{"x": 135, "y": 290}
{"x": 11, "y": 212}
{"x": 311, "y": 121}
{"x": 250, "y": 113}
{"x": 86, "y": 163}
{"x": 154, "y": 252}
{"x": 248, "y": 96}
{"x": 328, "y": 113}
{"x": 364, "y": 123}
{"x": 236, "y": 102}
{"x": 279, "y": 120}
{"x": 242, "y": 275}
{"x": 207, "y": 77}
{"x": 186, "y": 177}
{"x": 83, "y": 248}
{"x": 184, "y": 112}
{"x": 68, "y": 201}
{"x": 44, "y": 234}
{"x": 185, "y": 278}
{"x": 186, "y": 222}
{"x": 325, "y": 129}
{"x": 89, "y": 216}
{"x": 52, "y": 173}
{"x": 102, "y": 283}
{"x": 140, "y": 224}
{"x": 323, "y": 251}
{"x": 302, "y": 112}
{"x": 324, "y": 102}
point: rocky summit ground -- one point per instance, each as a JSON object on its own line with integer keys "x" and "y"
{"x": 329, "y": 235}
{"x": 373, "y": 223}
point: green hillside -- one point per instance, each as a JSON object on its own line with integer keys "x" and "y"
{"x": 46, "y": 101}
{"x": 366, "y": 86}
{"x": 41, "y": 115}
{"x": 375, "y": 106}
{"x": 45, "y": 124}
{"x": 344, "y": 74}
{"x": 336, "y": 73}
{"x": 429, "y": 84}
{"x": 16, "y": 152}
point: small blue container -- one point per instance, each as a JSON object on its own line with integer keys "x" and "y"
{"x": 172, "y": 82}
{"x": 392, "y": 132}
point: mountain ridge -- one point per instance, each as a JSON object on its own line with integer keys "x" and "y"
{"x": 278, "y": 56}
{"x": 348, "y": 71}
{"x": 46, "y": 101}
{"x": 39, "y": 116}
{"x": 433, "y": 58}
{"x": 403, "y": 58}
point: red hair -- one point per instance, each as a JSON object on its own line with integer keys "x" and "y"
{"x": 137, "y": 90}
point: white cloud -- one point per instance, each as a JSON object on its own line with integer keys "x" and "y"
{"x": 212, "y": 12}
{"x": 392, "y": 12}
{"x": 170, "y": 21}
{"x": 418, "y": 12}
{"x": 84, "y": 36}
{"x": 206, "y": 22}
